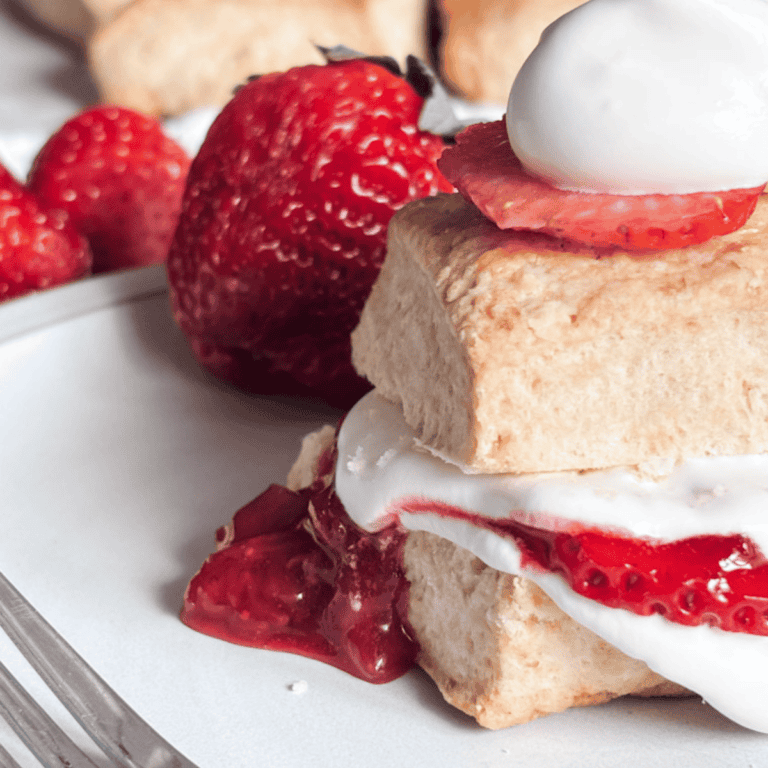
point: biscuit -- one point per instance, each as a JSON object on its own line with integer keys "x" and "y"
{"x": 74, "y": 18}
{"x": 500, "y": 650}
{"x": 166, "y": 57}
{"x": 496, "y": 646}
{"x": 510, "y": 354}
{"x": 485, "y": 42}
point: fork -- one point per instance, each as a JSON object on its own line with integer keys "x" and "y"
{"x": 120, "y": 733}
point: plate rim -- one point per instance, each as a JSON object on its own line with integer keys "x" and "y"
{"x": 35, "y": 311}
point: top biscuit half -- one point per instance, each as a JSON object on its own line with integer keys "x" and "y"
{"x": 510, "y": 354}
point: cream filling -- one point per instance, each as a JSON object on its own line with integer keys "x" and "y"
{"x": 381, "y": 464}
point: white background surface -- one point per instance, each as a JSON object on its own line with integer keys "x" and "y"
{"x": 119, "y": 458}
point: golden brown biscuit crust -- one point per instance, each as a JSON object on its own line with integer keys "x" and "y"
{"x": 500, "y": 650}
{"x": 168, "y": 56}
{"x": 511, "y": 355}
{"x": 485, "y": 42}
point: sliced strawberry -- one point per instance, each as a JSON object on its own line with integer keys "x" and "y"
{"x": 284, "y": 223}
{"x": 38, "y": 248}
{"x": 119, "y": 179}
{"x": 717, "y": 580}
{"x": 485, "y": 170}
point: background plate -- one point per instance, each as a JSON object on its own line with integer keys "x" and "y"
{"x": 119, "y": 458}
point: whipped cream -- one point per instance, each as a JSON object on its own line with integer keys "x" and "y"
{"x": 381, "y": 464}
{"x": 647, "y": 96}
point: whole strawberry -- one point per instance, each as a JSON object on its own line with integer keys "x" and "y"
{"x": 284, "y": 221}
{"x": 119, "y": 179}
{"x": 38, "y": 249}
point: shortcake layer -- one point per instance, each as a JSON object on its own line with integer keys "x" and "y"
{"x": 383, "y": 475}
{"x": 510, "y": 353}
{"x": 498, "y": 648}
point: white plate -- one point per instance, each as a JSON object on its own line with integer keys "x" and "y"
{"x": 119, "y": 458}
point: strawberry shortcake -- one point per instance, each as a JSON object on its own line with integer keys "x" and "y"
{"x": 555, "y": 495}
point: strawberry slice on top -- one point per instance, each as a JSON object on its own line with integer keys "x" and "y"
{"x": 486, "y": 171}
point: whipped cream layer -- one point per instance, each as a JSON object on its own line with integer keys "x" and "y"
{"x": 381, "y": 466}
{"x": 647, "y": 96}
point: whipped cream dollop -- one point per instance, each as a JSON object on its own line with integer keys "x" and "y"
{"x": 647, "y": 96}
{"x": 381, "y": 465}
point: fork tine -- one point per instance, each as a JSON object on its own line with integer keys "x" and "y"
{"x": 6, "y": 759}
{"x": 121, "y": 734}
{"x": 47, "y": 742}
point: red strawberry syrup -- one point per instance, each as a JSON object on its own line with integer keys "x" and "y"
{"x": 294, "y": 573}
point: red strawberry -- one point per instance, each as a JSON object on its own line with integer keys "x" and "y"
{"x": 284, "y": 221}
{"x": 38, "y": 249}
{"x": 486, "y": 171}
{"x": 718, "y": 580}
{"x": 119, "y": 179}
